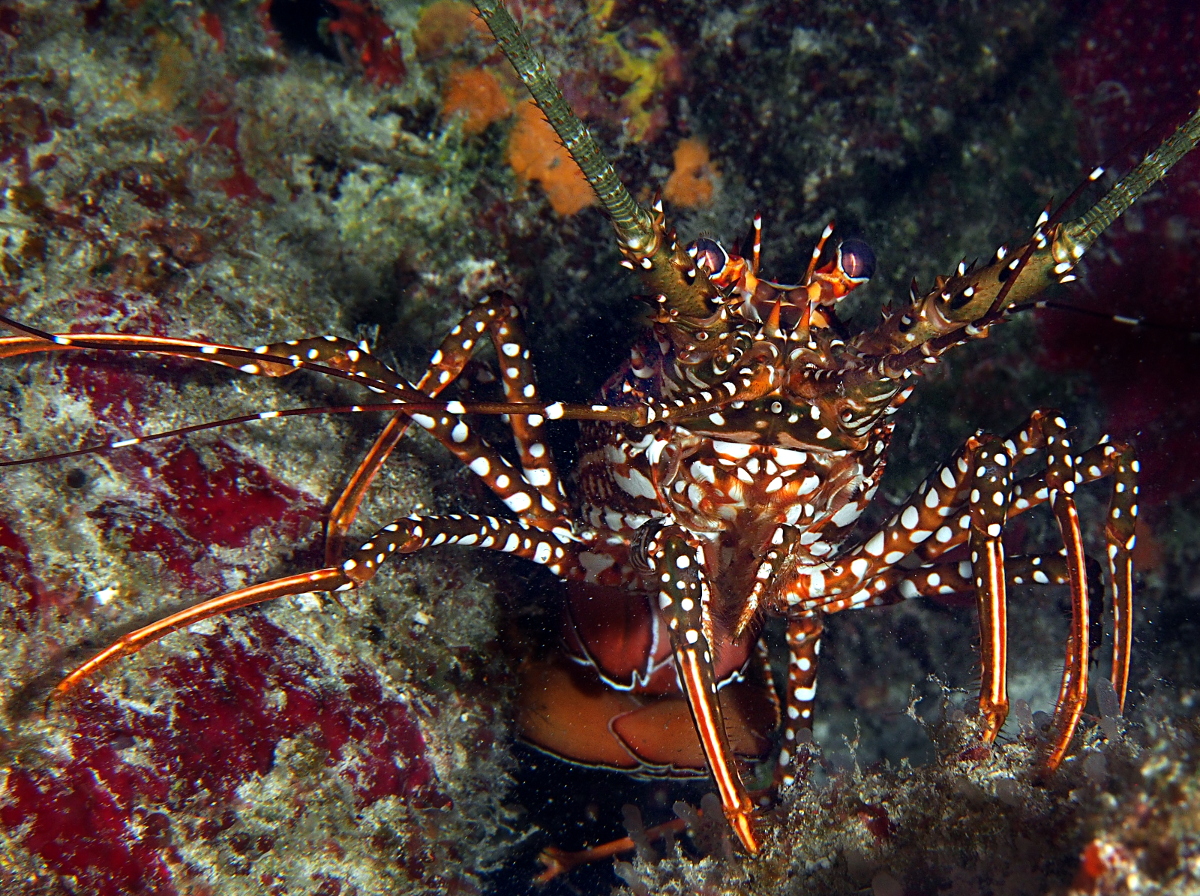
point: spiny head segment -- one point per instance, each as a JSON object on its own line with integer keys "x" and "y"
{"x": 781, "y": 310}
{"x": 670, "y": 272}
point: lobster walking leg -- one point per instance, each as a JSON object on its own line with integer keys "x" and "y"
{"x": 318, "y": 580}
{"x": 403, "y": 536}
{"x": 804, "y": 646}
{"x": 939, "y": 579}
{"x": 991, "y": 501}
{"x": 970, "y": 500}
{"x": 684, "y": 594}
{"x": 1046, "y": 430}
{"x": 537, "y": 491}
{"x": 990, "y": 495}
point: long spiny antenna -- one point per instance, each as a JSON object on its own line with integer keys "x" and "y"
{"x": 648, "y": 245}
{"x": 1084, "y": 231}
{"x": 630, "y": 220}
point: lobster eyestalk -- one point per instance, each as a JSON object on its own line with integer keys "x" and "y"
{"x": 644, "y": 240}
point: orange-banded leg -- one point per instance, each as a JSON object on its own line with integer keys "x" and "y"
{"x": 496, "y": 317}
{"x": 1046, "y": 430}
{"x": 331, "y": 579}
{"x": 803, "y": 641}
{"x": 1072, "y": 694}
{"x": 324, "y": 354}
{"x": 404, "y": 536}
{"x": 969, "y": 501}
{"x": 938, "y": 517}
{"x": 990, "y": 461}
{"x": 983, "y": 469}
{"x": 535, "y": 492}
{"x": 890, "y": 587}
{"x": 539, "y": 494}
{"x": 1118, "y": 461}
{"x": 676, "y": 566}
{"x": 556, "y": 551}
{"x": 328, "y": 355}
{"x": 940, "y": 579}
{"x": 988, "y": 502}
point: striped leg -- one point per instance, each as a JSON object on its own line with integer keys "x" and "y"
{"x": 497, "y": 317}
{"x": 404, "y": 536}
{"x": 537, "y": 491}
{"x": 1072, "y": 694}
{"x": 319, "y": 580}
{"x": 677, "y": 565}
{"x": 940, "y": 579}
{"x": 1046, "y": 431}
{"x": 1104, "y": 460}
{"x": 989, "y": 502}
{"x": 970, "y": 500}
{"x": 989, "y": 498}
{"x": 556, "y": 550}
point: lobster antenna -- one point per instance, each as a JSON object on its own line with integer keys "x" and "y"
{"x": 630, "y": 220}
{"x": 648, "y": 246}
{"x": 1083, "y": 231}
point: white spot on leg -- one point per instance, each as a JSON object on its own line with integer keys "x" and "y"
{"x": 519, "y": 501}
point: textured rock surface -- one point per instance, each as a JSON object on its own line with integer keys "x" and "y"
{"x": 241, "y": 173}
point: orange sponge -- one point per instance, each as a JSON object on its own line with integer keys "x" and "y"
{"x": 444, "y": 25}
{"x": 691, "y": 183}
{"x": 535, "y": 153}
{"x": 475, "y": 94}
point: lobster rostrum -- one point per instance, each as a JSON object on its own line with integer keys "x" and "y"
{"x": 723, "y": 470}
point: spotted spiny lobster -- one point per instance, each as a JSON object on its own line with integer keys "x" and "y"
{"x": 723, "y": 470}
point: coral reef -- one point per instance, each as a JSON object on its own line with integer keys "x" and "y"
{"x": 172, "y": 172}
{"x": 1119, "y": 818}
{"x": 255, "y": 172}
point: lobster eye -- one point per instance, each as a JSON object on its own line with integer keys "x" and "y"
{"x": 856, "y": 260}
{"x": 709, "y": 255}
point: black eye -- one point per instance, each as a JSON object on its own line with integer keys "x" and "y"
{"x": 856, "y": 260}
{"x": 709, "y": 255}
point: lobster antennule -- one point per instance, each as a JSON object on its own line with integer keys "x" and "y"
{"x": 965, "y": 305}
{"x": 632, "y": 222}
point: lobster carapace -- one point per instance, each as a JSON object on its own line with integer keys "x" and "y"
{"x": 722, "y": 473}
